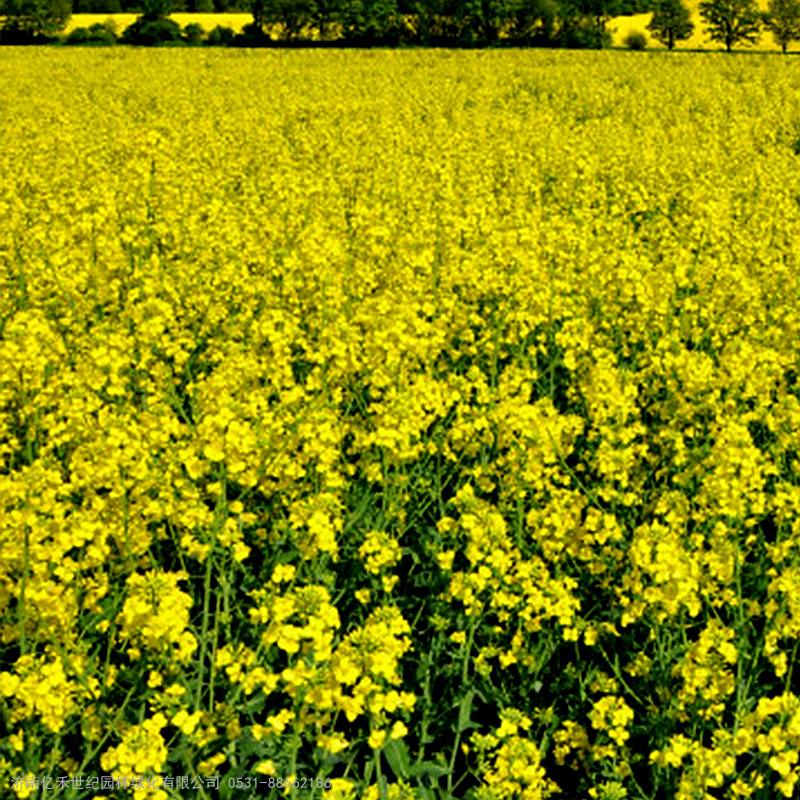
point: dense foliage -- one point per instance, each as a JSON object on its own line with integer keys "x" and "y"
{"x": 783, "y": 21}
{"x": 411, "y": 424}
{"x": 731, "y": 21}
{"x": 325, "y": 9}
{"x": 31, "y": 21}
{"x": 374, "y": 22}
{"x": 440, "y": 22}
{"x": 671, "y": 22}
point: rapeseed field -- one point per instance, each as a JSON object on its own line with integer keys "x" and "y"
{"x": 399, "y": 425}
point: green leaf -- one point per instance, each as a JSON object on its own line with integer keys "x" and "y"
{"x": 428, "y": 768}
{"x": 464, "y": 710}
{"x": 396, "y": 754}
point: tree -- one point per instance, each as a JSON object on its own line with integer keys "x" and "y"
{"x": 671, "y": 22}
{"x": 293, "y": 16}
{"x": 483, "y": 20}
{"x": 153, "y": 26}
{"x": 324, "y": 16}
{"x": 156, "y": 9}
{"x": 731, "y": 21}
{"x": 96, "y": 7}
{"x": 32, "y": 19}
{"x": 584, "y": 22}
{"x": 783, "y": 21}
{"x": 370, "y": 21}
{"x": 535, "y": 21}
{"x": 258, "y": 8}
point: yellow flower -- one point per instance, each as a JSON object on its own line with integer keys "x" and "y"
{"x": 398, "y": 731}
{"x": 376, "y": 739}
{"x": 333, "y": 743}
{"x": 445, "y": 560}
{"x": 27, "y": 786}
{"x": 341, "y": 789}
{"x": 379, "y": 551}
{"x": 277, "y": 723}
{"x": 363, "y": 596}
{"x": 186, "y": 722}
{"x": 283, "y": 573}
{"x": 210, "y": 765}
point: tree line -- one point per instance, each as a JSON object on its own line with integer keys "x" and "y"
{"x": 569, "y": 23}
{"x": 473, "y": 23}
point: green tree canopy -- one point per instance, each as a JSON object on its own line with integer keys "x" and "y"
{"x": 483, "y": 20}
{"x": 731, "y": 21}
{"x": 293, "y": 16}
{"x": 370, "y": 20}
{"x": 588, "y": 20}
{"x": 671, "y": 22}
{"x": 156, "y": 9}
{"x": 35, "y": 17}
{"x": 536, "y": 20}
{"x": 783, "y": 21}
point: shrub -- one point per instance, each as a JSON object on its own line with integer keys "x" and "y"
{"x": 252, "y": 35}
{"x": 636, "y": 40}
{"x": 97, "y": 34}
{"x": 78, "y": 36}
{"x": 103, "y": 32}
{"x": 19, "y": 36}
{"x": 221, "y": 36}
{"x": 152, "y": 32}
{"x": 193, "y": 34}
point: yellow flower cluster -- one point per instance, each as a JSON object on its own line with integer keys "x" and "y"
{"x": 612, "y": 715}
{"x": 502, "y": 583}
{"x": 514, "y": 769}
{"x": 302, "y": 620}
{"x": 142, "y": 751}
{"x": 379, "y": 551}
{"x": 705, "y": 671}
{"x": 156, "y": 615}
{"x": 39, "y": 687}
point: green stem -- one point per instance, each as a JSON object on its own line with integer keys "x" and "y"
{"x": 203, "y": 632}
{"x": 464, "y": 678}
{"x": 426, "y": 709}
{"x": 379, "y": 773}
{"x": 110, "y": 729}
